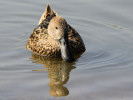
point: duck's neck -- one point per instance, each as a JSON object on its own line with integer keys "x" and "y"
{"x": 66, "y": 52}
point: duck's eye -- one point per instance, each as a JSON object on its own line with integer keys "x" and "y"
{"x": 56, "y": 27}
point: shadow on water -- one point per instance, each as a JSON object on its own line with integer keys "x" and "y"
{"x": 58, "y": 73}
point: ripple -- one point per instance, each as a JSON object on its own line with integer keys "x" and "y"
{"x": 107, "y": 45}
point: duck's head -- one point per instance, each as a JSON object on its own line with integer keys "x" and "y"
{"x": 57, "y": 29}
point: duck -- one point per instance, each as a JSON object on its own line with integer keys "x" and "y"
{"x": 54, "y": 37}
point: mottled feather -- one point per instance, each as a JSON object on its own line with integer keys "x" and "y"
{"x": 42, "y": 44}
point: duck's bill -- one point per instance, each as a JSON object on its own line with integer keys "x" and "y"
{"x": 66, "y": 52}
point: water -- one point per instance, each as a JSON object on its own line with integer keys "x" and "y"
{"x": 103, "y": 72}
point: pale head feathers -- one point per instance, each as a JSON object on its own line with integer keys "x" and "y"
{"x": 57, "y": 27}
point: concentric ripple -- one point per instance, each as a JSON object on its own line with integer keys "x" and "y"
{"x": 106, "y": 46}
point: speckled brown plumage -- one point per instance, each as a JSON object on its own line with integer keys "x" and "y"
{"x": 42, "y": 44}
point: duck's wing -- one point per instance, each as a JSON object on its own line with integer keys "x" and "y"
{"x": 38, "y": 34}
{"x": 75, "y": 40}
{"x": 39, "y": 43}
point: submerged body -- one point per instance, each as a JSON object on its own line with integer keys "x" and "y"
{"x": 54, "y": 37}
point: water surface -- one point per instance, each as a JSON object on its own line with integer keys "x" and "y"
{"x": 103, "y": 72}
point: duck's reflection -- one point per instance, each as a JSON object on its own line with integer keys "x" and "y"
{"x": 58, "y": 73}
